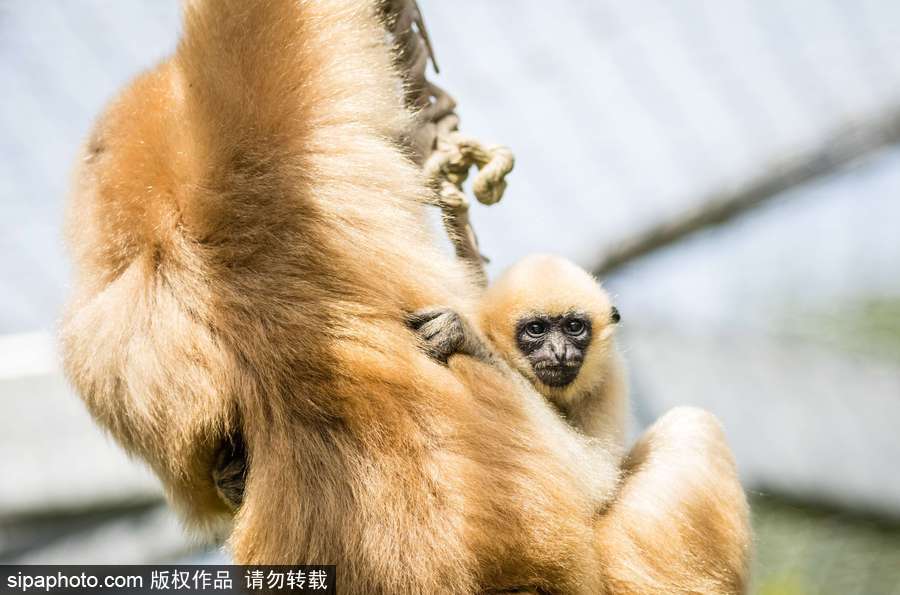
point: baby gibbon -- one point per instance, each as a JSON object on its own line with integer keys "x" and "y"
{"x": 248, "y": 239}
{"x": 552, "y": 322}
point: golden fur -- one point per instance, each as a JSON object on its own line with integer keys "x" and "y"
{"x": 247, "y": 242}
{"x": 596, "y": 402}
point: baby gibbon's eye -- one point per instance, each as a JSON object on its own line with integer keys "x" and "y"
{"x": 536, "y": 328}
{"x": 614, "y": 315}
{"x": 574, "y": 326}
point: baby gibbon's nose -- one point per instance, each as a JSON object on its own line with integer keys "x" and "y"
{"x": 558, "y": 350}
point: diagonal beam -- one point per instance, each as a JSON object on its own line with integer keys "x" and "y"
{"x": 840, "y": 149}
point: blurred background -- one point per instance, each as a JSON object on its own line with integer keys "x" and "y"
{"x": 731, "y": 169}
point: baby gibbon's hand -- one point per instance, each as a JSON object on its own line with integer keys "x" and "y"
{"x": 444, "y": 333}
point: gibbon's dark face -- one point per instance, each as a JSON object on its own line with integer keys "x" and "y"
{"x": 555, "y": 345}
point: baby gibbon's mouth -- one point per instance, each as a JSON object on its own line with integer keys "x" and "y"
{"x": 557, "y": 375}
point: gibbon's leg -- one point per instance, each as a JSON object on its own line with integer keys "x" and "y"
{"x": 444, "y": 333}
{"x": 680, "y": 523}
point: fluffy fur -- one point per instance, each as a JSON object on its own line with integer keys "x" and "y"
{"x": 247, "y": 242}
{"x": 596, "y": 402}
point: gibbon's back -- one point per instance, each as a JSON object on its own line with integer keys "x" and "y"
{"x": 247, "y": 240}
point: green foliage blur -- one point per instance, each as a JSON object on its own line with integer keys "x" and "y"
{"x": 803, "y": 550}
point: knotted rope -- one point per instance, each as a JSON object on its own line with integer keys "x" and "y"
{"x": 446, "y": 155}
{"x": 448, "y": 168}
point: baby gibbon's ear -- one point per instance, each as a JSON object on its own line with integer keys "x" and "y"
{"x": 614, "y": 315}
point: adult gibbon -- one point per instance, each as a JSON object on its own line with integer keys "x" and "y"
{"x": 248, "y": 242}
